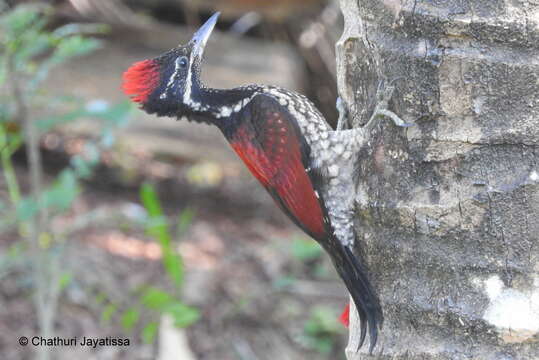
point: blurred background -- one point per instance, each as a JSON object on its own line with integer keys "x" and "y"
{"x": 118, "y": 224}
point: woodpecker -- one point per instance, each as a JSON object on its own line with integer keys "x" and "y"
{"x": 306, "y": 166}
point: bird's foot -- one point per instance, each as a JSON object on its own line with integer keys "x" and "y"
{"x": 357, "y": 137}
{"x": 383, "y": 96}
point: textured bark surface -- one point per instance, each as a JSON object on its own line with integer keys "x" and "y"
{"x": 447, "y": 210}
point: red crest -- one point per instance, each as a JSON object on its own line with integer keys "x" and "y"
{"x": 140, "y": 80}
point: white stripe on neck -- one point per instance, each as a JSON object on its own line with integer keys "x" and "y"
{"x": 188, "y": 84}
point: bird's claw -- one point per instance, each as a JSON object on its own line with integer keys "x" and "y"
{"x": 384, "y": 95}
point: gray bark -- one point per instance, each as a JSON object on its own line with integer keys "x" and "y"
{"x": 447, "y": 210}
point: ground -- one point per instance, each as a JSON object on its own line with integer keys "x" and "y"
{"x": 254, "y": 295}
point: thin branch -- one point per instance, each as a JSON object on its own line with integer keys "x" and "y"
{"x": 46, "y": 288}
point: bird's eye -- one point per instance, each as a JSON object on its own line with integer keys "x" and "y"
{"x": 182, "y": 62}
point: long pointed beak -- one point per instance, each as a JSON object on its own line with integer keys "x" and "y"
{"x": 203, "y": 34}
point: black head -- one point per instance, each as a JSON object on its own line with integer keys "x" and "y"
{"x": 169, "y": 84}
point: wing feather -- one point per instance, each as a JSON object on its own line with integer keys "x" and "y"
{"x": 268, "y": 140}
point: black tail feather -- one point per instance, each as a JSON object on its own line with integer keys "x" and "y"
{"x": 363, "y": 327}
{"x": 355, "y": 278}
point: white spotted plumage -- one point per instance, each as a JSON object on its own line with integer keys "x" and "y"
{"x": 330, "y": 151}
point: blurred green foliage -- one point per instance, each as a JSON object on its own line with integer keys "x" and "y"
{"x": 152, "y": 302}
{"x": 306, "y": 249}
{"x": 27, "y": 55}
{"x": 158, "y": 227}
{"x": 307, "y": 255}
{"x": 322, "y": 329}
{"x": 29, "y": 50}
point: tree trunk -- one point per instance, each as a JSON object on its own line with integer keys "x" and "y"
{"x": 448, "y": 210}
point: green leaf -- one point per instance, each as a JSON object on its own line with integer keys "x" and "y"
{"x": 284, "y": 282}
{"x": 65, "y": 48}
{"x": 100, "y": 298}
{"x": 14, "y": 142}
{"x": 150, "y": 200}
{"x": 156, "y": 299}
{"x": 129, "y": 319}
{"x": 149, "y": 332}
{"x": 61, "y": 195}
{"x": 26, "y": 209}
{"x": 323, "y": 320}
{"x": 31, "y": 45}
{"x": 183, "y": 315}
{"x": 108, "y": 312}
{"x": 322, "y": 345}
{"x": 80, "y": 29}
{"x": 65, "y": 280}
{"x": 306, "y": 249}
{"x": 114, "y": 117}
{"x": 117, "y": 115}
{"x": 21, "y": 29}
{"x": 18, "y": 19}
{"x": 321, "y": 328}
{"x": 174, "y": 267}
{"x": 157, "y": 226}
{"x": 73, "y": 46}
{"x": 46, "y": 124}
{"x": 81, "y": 167}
